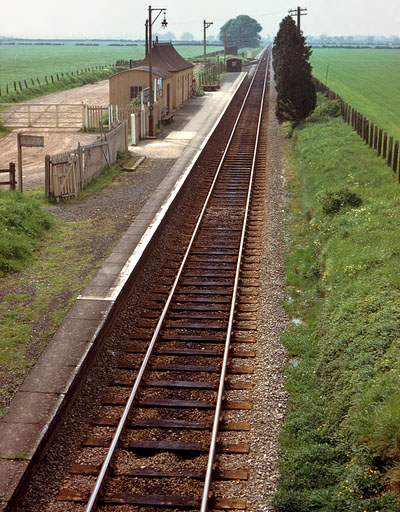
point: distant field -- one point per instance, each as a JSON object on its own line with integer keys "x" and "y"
{"x": 26, "y": 61}
{"x": 367, "y": 79}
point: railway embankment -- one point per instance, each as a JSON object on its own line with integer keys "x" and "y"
{"x": 340, "y": 440}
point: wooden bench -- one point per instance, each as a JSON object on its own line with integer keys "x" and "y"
{"x": 166, "y": 116}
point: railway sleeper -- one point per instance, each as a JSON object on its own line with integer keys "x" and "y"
{"x": 185, "y": 502}
{"x": 179, "y": 447}
{"x": 218, "y": 474}
{"x": 163, "y": 423}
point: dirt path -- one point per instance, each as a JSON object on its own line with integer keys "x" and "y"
{"x": 55, "y": 141}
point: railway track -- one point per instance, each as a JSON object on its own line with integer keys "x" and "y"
{"x": 156, "y": 442}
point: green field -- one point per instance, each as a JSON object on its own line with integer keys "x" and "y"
{"x": 367, "y": 79}
{"x": 26, "y": 61}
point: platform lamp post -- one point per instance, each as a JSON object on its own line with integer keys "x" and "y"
{"x": 151, "y": 102}
{"x": 206, "y": 25}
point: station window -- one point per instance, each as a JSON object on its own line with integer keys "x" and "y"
{"x": 135, "y": 91}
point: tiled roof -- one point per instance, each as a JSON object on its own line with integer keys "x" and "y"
{"x": 165, "y": 56}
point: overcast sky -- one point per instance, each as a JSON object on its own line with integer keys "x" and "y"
{"x": 124, "y": 19}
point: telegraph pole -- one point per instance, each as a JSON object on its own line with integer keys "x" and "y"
{"x": 298, "y": 12}
{"x": 147, "y": 37}
{"x": 150, "y": 43}
{"x": 206, "y": 24}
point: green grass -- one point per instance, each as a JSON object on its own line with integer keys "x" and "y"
{"x": 68, "y": 82}
{"x": 23, "y": 62}
{"x": 340, "y": 442}
{"x": 35, "y": 299}
{"x": 22, "y": 225}
{"x": 366, "y": 79}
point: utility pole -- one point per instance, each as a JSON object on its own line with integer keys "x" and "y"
{"x": 151, "y": 99}
{"x": 206, "y": 25}
{"x": 298, "y": 12}
{"x": 147, "y": 36}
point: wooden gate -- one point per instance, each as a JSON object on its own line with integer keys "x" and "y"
{"x": 42, "y": 115}
{"x": 63, "y": 174}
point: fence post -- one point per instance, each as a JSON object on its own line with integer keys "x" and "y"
{"x": 133, "y": 130}
{"x": 80, "y": 155}
{"x": 384, "y": 145}
{"x": 380, "y": 141}
{"x": 12, "y": 176}
{"x": 47, "y": 175}
{"x": 371, "y": 135}
{"x": 85, "y": 117}
{"x": 390, "y": 151}
{"x": 395, "y": 156}
{"x": 376, "y": 138}
{"x": 366, "y": 131}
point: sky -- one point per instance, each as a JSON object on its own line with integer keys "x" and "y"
{"x": 124, "y": 19}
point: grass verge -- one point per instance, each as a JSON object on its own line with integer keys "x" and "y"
{"x": 340, "y": 442}
{"x": 35, "y": 299}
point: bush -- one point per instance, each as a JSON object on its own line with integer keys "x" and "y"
{"x": 22, "y": 224}
{"x": 325, "y": 109}
{"x": 333, "y": 202}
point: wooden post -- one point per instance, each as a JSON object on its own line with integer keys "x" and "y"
{"x": 376, "y": 138}
{"x": 20, "y": 85}
{"x": 380, "y": 142}
{"x": 15, "y": 86}
{"x": 26, "y": 85}
{"x": 47, "y": 83}
{"x": 47, "y": 175}
{"x": 7, "y": 88}
{"x": 12, "y": 176}
{"x": 19, "y": 162}
{"x": 371, "y": 135}
{"x": 384, "y": 145}
{"x": 366, "y": 132}
{"x": 395, "y": 156}
{"x": 33, "y": 82}
{"x": 390, "y": 151}
{"x": 38, "y": 81}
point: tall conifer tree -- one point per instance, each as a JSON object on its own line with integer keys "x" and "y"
{"x": 296, "y": 92}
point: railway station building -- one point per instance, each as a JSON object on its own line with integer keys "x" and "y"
{"x": 172, "y": 75}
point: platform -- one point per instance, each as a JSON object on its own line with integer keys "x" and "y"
{"x": 26, "y": 427}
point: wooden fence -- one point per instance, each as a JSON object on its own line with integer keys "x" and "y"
{"x": 20, "y": 85}
{"x": 95, "y": 115}
{"x": 11, "y": 173}
{"x": 375, "y": 137}
{"x": 68, "y": 172}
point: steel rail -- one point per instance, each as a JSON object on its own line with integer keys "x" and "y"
{"x": 215, "y": 429}
{"x": 121, "y": 425}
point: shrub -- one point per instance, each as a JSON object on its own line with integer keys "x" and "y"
{"x": 333, "y": 202}
{"x": 22, "y": 224}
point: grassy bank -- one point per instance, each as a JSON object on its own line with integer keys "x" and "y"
{"x": 340, "y": 442}
{"x": 53, "y": 267}
{"x": 366, "y": 79}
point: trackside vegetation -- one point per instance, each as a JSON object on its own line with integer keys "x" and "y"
{"x": 22, "y": 224}
{"x": 340, "y": 445}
